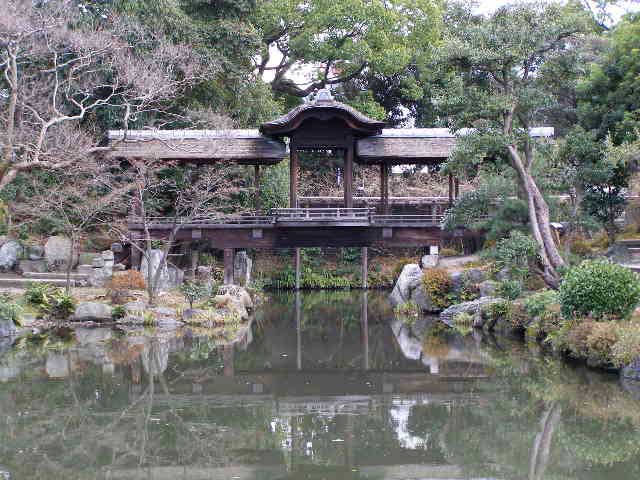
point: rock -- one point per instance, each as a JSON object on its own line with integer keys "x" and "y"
{"x": 488, "y": 288}
{"x": 170, "y": 276}
{"x": 473, "y": 308}
{"x": 7, "y": 328}
{"x": 85, "y": 258}
{"x": 35, "y": 252}
{"x": 429, "y": 261}
{"x": 85, "y": 269}
{"x": 97, "y": 262}
{"x": 475, "y": 275}
{"x": 119, "y": 267}
{"x": 238, "y": 293}
{"x": 457, "y": 281}
{"x": 92, "y": 311}
{"x": 9, "y": 253}
{"x": 631, "y": 371}
{"x": 32, "y": 266}
{"x": 3, "y": 239}
{"x": 57, "y": 252}
{"x": 242, "y": 268}
{"x": 117, "y": 247}
{"x": 108, "y": 256}
{"x": 503, "y": 275}
{"x": 409, "y": 279}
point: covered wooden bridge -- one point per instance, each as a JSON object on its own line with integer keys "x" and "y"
{"x": 323, "y": 125}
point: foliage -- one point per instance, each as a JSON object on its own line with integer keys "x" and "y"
{"x": 121, "y": 283}
{"x": 193, "y": 291}
{"x": 118, "y": 312}
{"x": 510, "y": 289}
{"x": 591, "y": 340}
{"x": 399, "y": 265}
{"x": 515, "y": 253}
{"x": 10, "y": 310}
{"x": 51, "y": 301}
{"x": 627, "y": 348}
{"x": 274, "y": 186}
{"x": 407, "y": 312}
{"x": 537, "y": 303}
{"x": 607, "y": 99}
{"x": 463, "y": 323}
{"x": 599, "y": 289}
{"x": 437, "y": 285}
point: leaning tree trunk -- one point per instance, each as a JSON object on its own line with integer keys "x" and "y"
{"x": 540, "y": 221}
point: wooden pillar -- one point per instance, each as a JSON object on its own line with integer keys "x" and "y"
{"x": 257, "y": 203}
{"x": 294, "y": 166}
{"x": 348, "y": 177}
{"x": 384, "y": 189}
{"x": 365, "y": 267}
{"x": 229, "y": 255}
{"x": 297, "y": 267}
{"x": 451, "y": 190}
{"x": 457, "y": 188}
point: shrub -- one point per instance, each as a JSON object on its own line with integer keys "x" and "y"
{"x": 9, "y": 310}
{"x": 52, "y": 301}
{"x": 118, "y": 312}
{"x": 510, "y": 289}
{"x": 580, "y": 247}
{"x": 407, "y": 312}
{"x": 599, "y": 289}
{"x": 592, "y": 340}
{"x": 537, "y": 303}
{"x": 193, "y": 291}
{"x": 515, "y": 253}
{"x": 627, "y": 348}
{"x": 121, "y": 283}
{"x": 497, "y": 311}
{"x": 436, "y": 283}
{"x": 463, "y": 323}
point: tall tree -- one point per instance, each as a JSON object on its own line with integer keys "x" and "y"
{"x": 498, "y": 91}
{"x": 609, "y": 99}
{"x": 340, "y": 40}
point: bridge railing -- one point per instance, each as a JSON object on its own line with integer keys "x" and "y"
{"x": 321, "y": 214}
{"x": 206, "y": 220}
{"x": 432, "y": 219}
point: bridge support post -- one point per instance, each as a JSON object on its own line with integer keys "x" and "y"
{"x": 297, "y": 267}
{"x": 348, "y": 177}
{"x": 384, "y": 189}
{"x": 257, "y": 204}
{"x": 365, "y": 267}
{"x": 229, "y": 255}
{"x": 293, "y": 176}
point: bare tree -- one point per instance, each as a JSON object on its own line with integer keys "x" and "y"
{"x": 56, "y": 73}
{"x": 203, "y": 195}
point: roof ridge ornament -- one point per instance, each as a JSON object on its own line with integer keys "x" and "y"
{"x": 324, "y": 96}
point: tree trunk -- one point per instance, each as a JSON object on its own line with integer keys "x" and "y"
{"x": 539, "y": 219}
{"x": 12, "y": 77}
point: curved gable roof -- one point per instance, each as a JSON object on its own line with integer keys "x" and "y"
{"x": 323, "y": 108}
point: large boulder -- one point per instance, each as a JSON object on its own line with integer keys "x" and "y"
{"x": 57, "y": 251}
{"x": 32, "y": 266}
{"x": 237, "y": 293}
{"x": 7, "y": 328}
{"x": 409, "y": 280}
{"x": 35, "y": 252}
{"x": 242, "y": 268}
{"x": 92, "y": 311}
{"x": 632, "y": 371}
{"x": 102, "y": 269}
{"x": 473, "y": 308}
{"x": 170, "y": 276}
{"x": 488, "y": 288}
{"x": 9, "y": 253}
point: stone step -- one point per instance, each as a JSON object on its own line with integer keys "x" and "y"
{"x": 56, "y": 275}
{"x": 21, "y": 282}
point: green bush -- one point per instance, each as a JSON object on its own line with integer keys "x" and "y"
{"x": 437, "y": 285}
{"x": 193, "y": 291}
{"x": 599, "y": 289}
{"x": 10, "y": 310}
{"x": 118, "y": 312}
{"x": 51, "y": 301}
{"x": 510, "y": 289}
{"x": 515, "y": 254}
{"x": 537, "y": 303}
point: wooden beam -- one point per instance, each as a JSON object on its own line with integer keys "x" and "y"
{"x": 294, "y": 166}
{"x": 229, "y": 255}
{"x": 348, "y": 177}
{"x": 384, "y": 189}
{"x": 457, "y": 187}
{"x": 451, "y": 190}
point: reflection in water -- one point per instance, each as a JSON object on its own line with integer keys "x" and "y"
{"x": 322, "y": 386}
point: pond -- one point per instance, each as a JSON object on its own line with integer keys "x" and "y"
{"x": 324, "y": 385}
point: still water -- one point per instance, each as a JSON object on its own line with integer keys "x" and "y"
{"x": 322, "y": 386}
